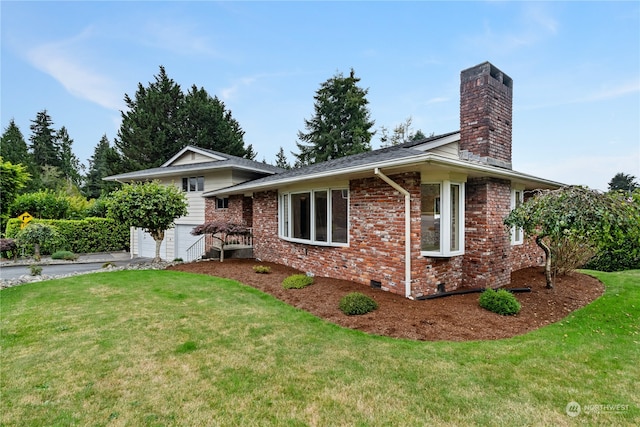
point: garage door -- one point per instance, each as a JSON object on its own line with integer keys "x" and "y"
{"x": 147, "y": 246}
{"x": 184, "y": 239}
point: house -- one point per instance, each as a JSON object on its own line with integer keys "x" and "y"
{"x": 412, "y": 219}
{"x": 195, "y": 171}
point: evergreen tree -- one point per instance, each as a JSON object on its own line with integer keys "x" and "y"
{"x": 99, "y": 167}
{"x": 281, "y": 160}
{"x": 623, "y": 182}
{"x": 70, "y": 165}
{"x": 341, "y": 125}
{"x": 44, "y": 144}
{"x": 401, "y": 133}
{"x": 250, "y": 154}
{"x": 150, "y": 129}
{"x": 13, "y": 147}
{"x": 207, "y": 124}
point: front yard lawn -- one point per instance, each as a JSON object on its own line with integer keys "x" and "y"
{"x": 171, "y": 348}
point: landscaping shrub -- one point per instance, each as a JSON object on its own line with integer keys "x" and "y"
{"x": 262, "y": 269}
{"x": 357, "y": 303}
{"x": 35, "y": 270}
{"x": 501, "y": 301}
{"x": 8, "y": 248}
{"x": 42, "y": 204}
{"x": 623, "y": 256}
{"x": 81, "y": 236}
{"x": 297, "y": 281}
{"x": 65, "y": 255}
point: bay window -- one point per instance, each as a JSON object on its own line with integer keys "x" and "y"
{"x": 442, "y": 219}
{"x": 317, "y": 216}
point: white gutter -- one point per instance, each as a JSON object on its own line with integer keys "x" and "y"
{"x": 407, "y": 229}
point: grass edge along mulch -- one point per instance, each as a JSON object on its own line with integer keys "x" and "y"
{"x": 169, "y": 348}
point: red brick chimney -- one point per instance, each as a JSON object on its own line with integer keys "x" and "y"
{"x": 486, "y": 98}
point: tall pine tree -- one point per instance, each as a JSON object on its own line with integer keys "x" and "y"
{"x": 70, "y": 166}
{"x": 341, "y": 125}
{"x": 44, "y": 144}
{"x": 150, "y": 129}
{"x": 281, "y": 159}
{"x": 13, "y": 147}
{"x": 207, "y": 124}
{"x": 99, "y": 167}
{"x": 161, "y": 120}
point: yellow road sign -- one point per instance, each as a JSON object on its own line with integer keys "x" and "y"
{"x": 25, "y": 218}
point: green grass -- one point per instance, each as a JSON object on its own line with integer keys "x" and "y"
{"x": 168, "y": 348}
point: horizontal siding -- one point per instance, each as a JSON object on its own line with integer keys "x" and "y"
{"x": 190, "y": 158}
{"x": 449, "y": 150}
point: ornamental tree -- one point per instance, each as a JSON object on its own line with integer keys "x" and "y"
{"x": 151, "y": 206}
{"x": 36, "y": 234}
{"x": 579, "y": 216}
{"x": 221, "y": 230}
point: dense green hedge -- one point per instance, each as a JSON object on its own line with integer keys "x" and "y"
{"x": 80, "y": 236}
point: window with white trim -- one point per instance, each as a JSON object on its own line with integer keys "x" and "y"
{"x": 442, "y": 218}
{"x": 315, "y": 216}
{"x": 194, "y": 183}
{"x": 517, "y": 233}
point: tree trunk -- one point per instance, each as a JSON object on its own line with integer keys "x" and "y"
{"x": 36, "y": 251}
{"x": 158, "y": 236}
{"x": 547, "y": 261}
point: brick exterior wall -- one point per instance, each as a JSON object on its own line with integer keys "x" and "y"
{"x": 240, "y": 210}
{"x": 487, "y": 240}
{"x": 376, "y": 232}
{"x": 486, "y": 98}
{"x": 376, "y": 235}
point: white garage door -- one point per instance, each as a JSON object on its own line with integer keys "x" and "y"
{"x": 147, "y": 246}
{"x": 184, "y": 239}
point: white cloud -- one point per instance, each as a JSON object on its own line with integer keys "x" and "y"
{"x": 534, "y": 26}
{"x": 606, "y": 92}
{"x": 62, "y": 61}
{"x": 177, "y": 38}
{"x": 231, "y": 92}
{"x": 437, "y": 100}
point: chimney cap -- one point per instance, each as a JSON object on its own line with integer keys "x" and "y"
{"x": 486, "y": 69}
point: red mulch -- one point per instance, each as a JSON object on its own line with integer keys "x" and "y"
{"x": 453, "y": 318}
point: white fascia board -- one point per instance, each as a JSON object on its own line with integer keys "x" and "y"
{"x": 423, "y": 158}
{"x": 438, "y": 142}
{"x": 494, "y": 171}
{"x": 134, "y": 176}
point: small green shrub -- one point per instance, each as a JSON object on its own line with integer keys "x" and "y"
{"x": 65, "y": 255}
{"x": 357, "y": 303}
{"x": 262, "y": 269}
{"x": 297, "y": 281}
{"x": 501, "y": 301}
{"x": 178, "y": 260}
{"x": 35, "y": 270}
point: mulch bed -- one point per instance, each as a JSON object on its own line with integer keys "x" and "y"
{"x": 453, "y": 318}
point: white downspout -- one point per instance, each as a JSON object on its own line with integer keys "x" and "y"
{"x": 407, "y": 230}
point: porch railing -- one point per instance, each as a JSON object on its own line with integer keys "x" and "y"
{"x": 195, "y": 251}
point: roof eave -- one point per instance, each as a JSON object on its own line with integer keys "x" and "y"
{"x": 396, "y": 163}
{"x": 175, "y": 173}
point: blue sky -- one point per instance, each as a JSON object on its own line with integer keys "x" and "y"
{"x": 575, "y": 66}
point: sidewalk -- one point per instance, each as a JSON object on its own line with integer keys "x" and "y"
{"x": 82, "y": 259}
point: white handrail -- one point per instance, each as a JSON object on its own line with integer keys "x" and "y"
{"x": 195, "y": 251}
